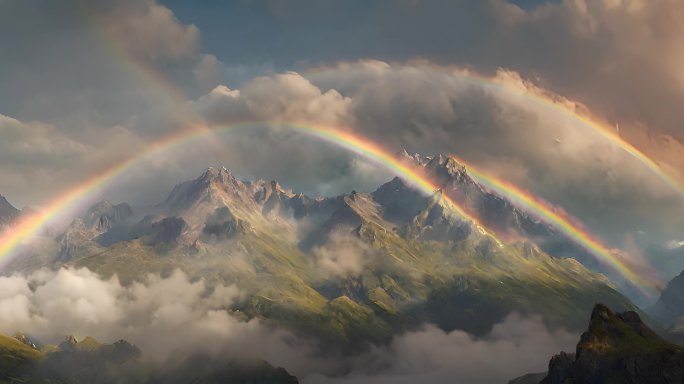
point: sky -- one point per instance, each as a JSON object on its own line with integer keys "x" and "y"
{"x": 87, "y": 84}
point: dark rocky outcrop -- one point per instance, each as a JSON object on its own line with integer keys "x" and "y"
{"x": 104, "y": 215}
{"x": 618, "y": 348}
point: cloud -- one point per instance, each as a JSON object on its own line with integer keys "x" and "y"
{"x": 104, "y": 62}
{"x": 286, "y": 96}
{"x": 148, "y": 30}
{"x": 514, "y": 347}
{"x": 429, "y": 109}
{"x": 34, "y": 142}
{"x": 343, "y": 255}
{"x": 162, "y": 316}
{"x": 621, "y": 57}
{"x": 39, "y": 160}
{"x": 277, "y": 153}
{"x": 168, "y": 315}
{"x": 92, "y": 93}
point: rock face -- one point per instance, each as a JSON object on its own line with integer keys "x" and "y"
{"x": 670, "y": 306}
{"x": 7, "y": 213}
{"x": 618, "y": 348}
{"x": 104, "y": 215}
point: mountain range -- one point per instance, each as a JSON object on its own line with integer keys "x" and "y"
{"x": 345, "y": 270}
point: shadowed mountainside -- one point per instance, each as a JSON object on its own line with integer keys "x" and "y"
{"x": 87, "y": 361}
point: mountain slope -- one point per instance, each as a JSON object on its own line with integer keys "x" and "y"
{"x": 15, "y": 358}
{"x": 497, "y": 212}
{"x": 200, "y": 369}
{"x": 88, "y": 361}
{"x": 345, "y": 270}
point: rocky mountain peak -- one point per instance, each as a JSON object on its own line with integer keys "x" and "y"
{"x": 103, "y": 215}
{"x": 7, "y": 212}
{"x": 449, "y": 170}
{"x": 608, "y": 328}
{"x": 436, "y": 161}
{"x": 6, "y": 207}
{"x": 69, "y": 344}
{"x": 415, "y": 159}
{"x": 618, "y": 348}
{"x": 453, "y": 166}
{"x": 674, "y": 292}
{"x": 209, "y": 187}
{"x": 214, "y": 175}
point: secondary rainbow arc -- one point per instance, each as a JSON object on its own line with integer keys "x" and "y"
{"x": 570, "y": 226}
{"x": 580, "y": 118}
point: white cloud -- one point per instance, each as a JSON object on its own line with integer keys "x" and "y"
{"x": 284, "y": 97}
{"x": 171, "y": 314}
{"x": 148, "y": 31}
{"x": 343, "y": 255}
{"x": 34, "y": 142}
{"x": 161, "y": 315}
{"x": 514, "y": 347}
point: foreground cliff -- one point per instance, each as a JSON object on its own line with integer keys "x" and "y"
{"x": 617, "y": 348}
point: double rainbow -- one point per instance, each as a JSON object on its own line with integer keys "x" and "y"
{"x": 531, "y": 95}
{"x": 69, "y": 201}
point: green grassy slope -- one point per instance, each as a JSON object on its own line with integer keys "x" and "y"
{"x": 469, "y": 284}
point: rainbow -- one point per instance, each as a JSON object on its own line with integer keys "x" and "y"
{"x": 591, "y": 122}
{"x": 68, "y": 202}
{"x": 146, "y": 72}
{"x": 582, "y": 119}
{"x": 570, "y": 226}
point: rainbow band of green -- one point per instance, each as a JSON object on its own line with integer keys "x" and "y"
{"x": 67, "y": 202}
{"x": 564, "y": 223}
